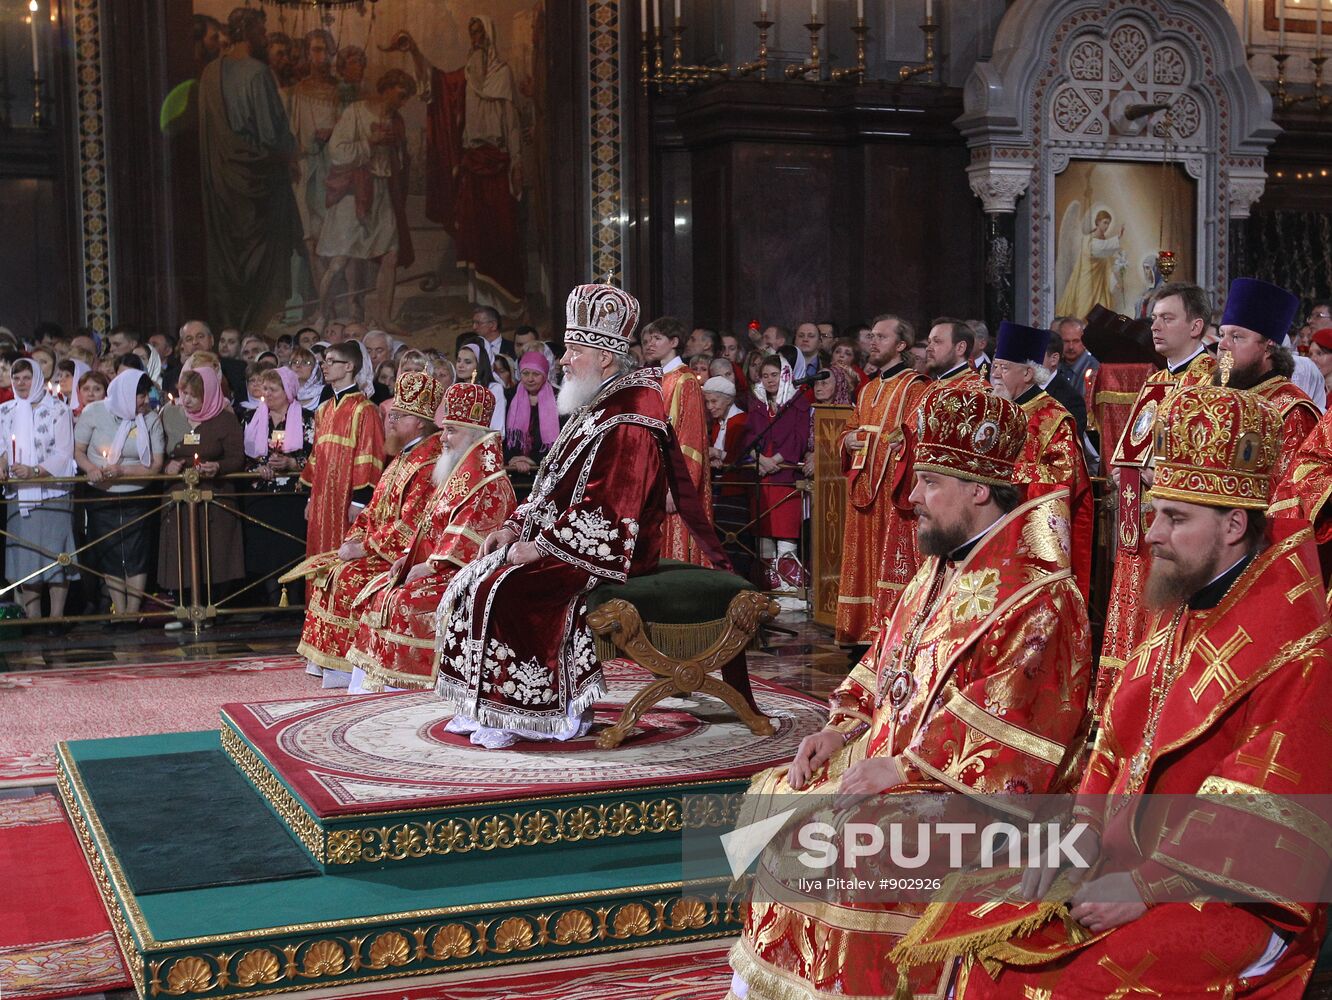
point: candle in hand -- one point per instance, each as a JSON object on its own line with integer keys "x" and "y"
{"x": 13, "y": 448}
{"x": 196, "y": 459}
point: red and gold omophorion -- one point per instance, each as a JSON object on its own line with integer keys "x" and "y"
{"x": 1126, "y": 617}
{"x": 395, "y": 643}
{"x": 386, "y": 527}
{"x": 879, "y": 534}
{"x": 683, "y": 396}
{"x": 347, "y": 457}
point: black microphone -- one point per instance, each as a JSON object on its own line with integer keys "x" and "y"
{"x": 811, "y": 379}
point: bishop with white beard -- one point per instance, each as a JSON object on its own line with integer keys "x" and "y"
{"x": 394, "y": 646}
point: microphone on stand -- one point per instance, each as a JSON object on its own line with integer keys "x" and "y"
{"x": 811, "y": 379}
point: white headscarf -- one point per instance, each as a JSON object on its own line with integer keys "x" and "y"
{"x": 365, "y": 376}
{"x": 123, "y": 402}
{"x": 153, "y": 367}
{"x": 785, "y": 388}
{"x": 24, "y": 449}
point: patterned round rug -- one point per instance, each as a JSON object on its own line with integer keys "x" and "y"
{"x": 377, "y": 752}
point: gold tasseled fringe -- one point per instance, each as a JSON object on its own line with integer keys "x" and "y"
{"x": 903, "y": 991}
{"x": 283, "y": 602}
{"x": 911, "y": 952}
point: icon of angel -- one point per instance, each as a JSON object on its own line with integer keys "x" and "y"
{"x": 1089, "y": 258}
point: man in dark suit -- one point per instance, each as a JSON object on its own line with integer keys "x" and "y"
{"x": 195, "y": 335}
{"x": 1061, "y": 389}
{"x": 486, "y": 325}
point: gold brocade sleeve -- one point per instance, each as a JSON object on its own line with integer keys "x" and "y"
{"x": 1261, "y": 827}
{"x": 391, "y": 536}
{"x": 1012, "y": 714}
{"x": 458, "y": 541}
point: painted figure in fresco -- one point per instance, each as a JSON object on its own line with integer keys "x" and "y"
{"x": 246, "y": 150}
{"x": 1090, "y": 262}
{"x": 367, "y": 192}
{"x": 312, "y": 107}
{"x": 474, "y": 178}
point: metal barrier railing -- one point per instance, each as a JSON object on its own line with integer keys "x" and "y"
{"x": 190, "y": 504}
{"x": 738, "y": 538}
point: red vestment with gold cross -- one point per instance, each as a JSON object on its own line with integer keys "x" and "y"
{"x": 978, "y": 682}
{"x": 395, "y": 643}
{"x": 347, "y": 455}
{"x": 683, "y": 396}
{"x": 879, "y": 534}
{"x": 1243, "y": 722}
{"x": 386, "y": 527}
{"x": 1052, "y": 457}
{"x": 1125, "y": 615}
{"x": 1306, "y": 488}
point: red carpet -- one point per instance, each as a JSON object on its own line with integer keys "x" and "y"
{"x": 676, "y": 972}
{"x": 40, "y": 708}
{"x": 55, "y": 939}
{"x": 390, "y": 751}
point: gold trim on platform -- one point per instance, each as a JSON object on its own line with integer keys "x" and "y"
{"x": 314, "y": 963}
{"x": 417, "y": 839}
{"x": 116, "y": 887}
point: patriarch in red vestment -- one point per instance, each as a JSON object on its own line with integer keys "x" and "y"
{"x": 1209, "y": 764}
{"x": 395, "y": 643}
{"x": 516, "y": 658}
{"x": 1052, "y": 457}
{"x": 382, "y": 532}
{"x": 977, "y": 682}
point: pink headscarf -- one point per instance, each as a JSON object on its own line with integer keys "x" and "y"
{"x": 214, "y": 402}
{"x": 520, "y": 417}
{"x": 293, "y": 435}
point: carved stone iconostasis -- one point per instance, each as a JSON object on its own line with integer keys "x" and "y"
{"x": 1102, "y": 134}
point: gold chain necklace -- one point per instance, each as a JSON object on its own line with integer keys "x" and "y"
{"x": 1163, "y": 679}
{"x": 901, "y": 686}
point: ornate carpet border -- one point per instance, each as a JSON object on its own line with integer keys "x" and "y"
{"x": 344, "y": 952}
{"x": 433, "y": 832}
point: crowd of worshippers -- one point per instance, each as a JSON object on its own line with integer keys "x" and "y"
{"x": 112, "y": 409}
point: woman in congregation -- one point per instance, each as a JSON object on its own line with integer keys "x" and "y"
{"x": 778, "y": 435}
{"x": 92, "y": 388}
{"x": 213, "y": 445}
{"x": 40, "y": 431}
{"x": 473, "y": 365}
{"x": 533, "y": 418}
{"x": 278, "y": 435}
{"x": 502, "y": 366}
{"x": 306, "y": 366}
{"x": 115, "y": 439}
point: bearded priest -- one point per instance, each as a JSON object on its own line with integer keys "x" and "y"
{"x": 516, "y": 658}
{"x": 395, "y": 643}
{"x": 381, "y": 533}
{"x": 978, "y": 682}
{"x": 1228, "y": 700}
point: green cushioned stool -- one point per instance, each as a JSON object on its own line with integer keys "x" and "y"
{"x": 668, "y": 622}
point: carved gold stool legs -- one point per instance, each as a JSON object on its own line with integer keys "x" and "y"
{"x": 619, "y": 621}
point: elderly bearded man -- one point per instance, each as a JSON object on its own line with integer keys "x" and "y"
{"x": 988, "y": 649}
{"x": 516, "y": 658}
{"x": 395, "y": 643}
{"x": 382, "y": 532}
{"x": 1229, "y": 699}
{"x": 1052, "y": 456}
